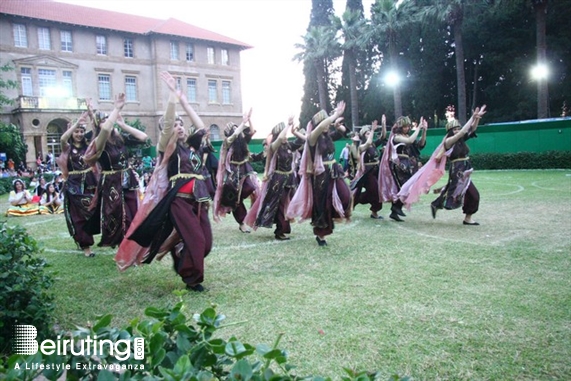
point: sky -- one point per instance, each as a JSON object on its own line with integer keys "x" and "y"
{"x": 272, "y": 84}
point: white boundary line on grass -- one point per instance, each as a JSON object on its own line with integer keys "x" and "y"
{"x": 547, "y": 189}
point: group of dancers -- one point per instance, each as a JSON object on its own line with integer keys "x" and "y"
{"x": 301, "y": 181}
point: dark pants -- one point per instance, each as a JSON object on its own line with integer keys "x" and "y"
{"x": 471, "y": 202}
{"x": 282, "y": 223}
{"x": 190, "y": 220}
{"x": 371, "y": 194}
{"x": 240, "y": 211}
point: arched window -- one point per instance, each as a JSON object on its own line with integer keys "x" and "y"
{"x": 214, "y": 132}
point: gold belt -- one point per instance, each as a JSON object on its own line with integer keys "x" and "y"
{"x": 461, "y": 159}
{"x": 186, "y": 176}
{"x": 80, "y": 172}
{"x": 283, "y": 172}
{"x": 329, "y": 162}
{"x": 372, "y": 163}
{"x": 113, "y": 171}
{"x": 239, "y": 162}
{"x": 184, "y": 195}
{"x": 403, "y": 155}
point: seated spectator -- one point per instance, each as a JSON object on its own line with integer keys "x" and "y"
{"x": 21, "y": 201}
{"x": 41, "y": 187}
{"x": 51, "y": 202}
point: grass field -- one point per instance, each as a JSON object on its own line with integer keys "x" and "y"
{"x": 432, "y": 299}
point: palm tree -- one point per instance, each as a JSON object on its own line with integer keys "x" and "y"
{"x": 353, "y": 27}
{"x": 451, "y": 12}
{"x": 388, "y": 21}
{"x": 319, "y": 48}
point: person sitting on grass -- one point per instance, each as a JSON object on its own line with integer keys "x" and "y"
{"x": 51, "y": 201}
{"x": 21, "y": 201}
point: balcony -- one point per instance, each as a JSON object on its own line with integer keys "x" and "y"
{"x": 41, "y": 103}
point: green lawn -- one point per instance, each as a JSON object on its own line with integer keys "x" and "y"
{"x": 432, "y": 299}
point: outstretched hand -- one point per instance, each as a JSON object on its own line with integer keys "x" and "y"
{"x": 169, "y": 80}
{"x": 374, "y": 125}
{"x": 120, "y": 101}
{"x": 340, "y": 109}
{"x": 479, "y": 112}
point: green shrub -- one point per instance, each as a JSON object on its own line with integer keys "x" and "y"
{"x": 175, "y": 349}
{"x": 24, "y": 297}
{"x": 258, "y": 166}
{"x": 520, "y": 160}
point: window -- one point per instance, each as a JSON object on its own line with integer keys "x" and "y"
{"x": 44, "y": 39}
{"x": 67, "y": 83}
{"x": 210, "y": 54}
{"x": 214, "y": 132}
{"x": 130, "y": 89}
{"x": 128, "y": 47}
{"x": 189, "y": 52}
{"x": 101, "y": 44}
{"x": 178, "y": 85}
{"x": 27, "y": 87}
{"x": 47, "y": 80}
{"x": 20, "y": 36}
{"x": 191, "y": 89}
{"x": 174, "y": 50}
{"x": 226, "y": 93}
{"x": 65, "y": 38}
{"x": 212, "y": 93}
{"x": 104, "y": 84}
{"x": 224, "y": 57}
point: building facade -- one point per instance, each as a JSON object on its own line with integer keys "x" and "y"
{"x": 63, "y": 54}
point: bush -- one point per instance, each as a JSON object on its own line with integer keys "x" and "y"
{"x": 175, "y": 349}
{"x": 24, "y": 297}
{"x": 520, "y": 160}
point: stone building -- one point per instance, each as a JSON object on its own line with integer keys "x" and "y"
{"x": 63, "y": 54}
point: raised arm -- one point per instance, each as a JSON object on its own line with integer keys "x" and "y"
{"x": 407, "y": 139}
{"x": 423, "y": 126}
{"x": 383, "y": 127}
{"x": 107, "y": 127}
{"x": 470, "y": 126}
{"x": 369, "y": 142}
{"x": 241, "y": 127}
{"x": 170, "y": 112}
{"x": 137, "y": 134}
{"x": 66, "y": 135}
{"x": 325, "y": 123}
{"x": 282, "y": 138}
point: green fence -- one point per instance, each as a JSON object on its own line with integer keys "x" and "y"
{"x": 526, "y": 136}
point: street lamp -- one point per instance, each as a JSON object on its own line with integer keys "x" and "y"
{"x": 539, "y": 73}
{"x": 392, "y": 79}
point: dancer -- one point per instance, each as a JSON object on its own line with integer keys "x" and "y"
{"x": 368, "y": 169}
{"x": 80, "y": 183}
{"x": 353, "y": 164}
{"x": 236, "y": 179}
{"x": 116, "y": 199}
{"x": 322, "y": 194}
{"x": 396, "y": 158}
{"x": 278, "y": 185}
{"x": 174, "y": 214}
{"x": 460, "y": 190}
{"x": 21, "y": 201}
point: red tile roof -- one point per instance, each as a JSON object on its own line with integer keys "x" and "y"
{"x": 99, "y": 18}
